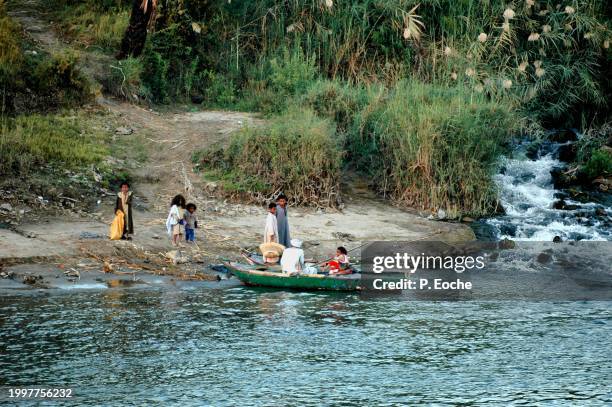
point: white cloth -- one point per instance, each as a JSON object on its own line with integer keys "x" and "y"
{"x": 174, "y": 216}
{"x": 342, "y": 259}
{"x": 292, "y": 260}
{"x": 271, "y": 229}
{"x": 310, "y": 269}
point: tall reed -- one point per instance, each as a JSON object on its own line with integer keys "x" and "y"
{"x": 433, "y": 147}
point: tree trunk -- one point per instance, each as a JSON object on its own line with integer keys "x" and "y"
{"x": 136, "y": 34}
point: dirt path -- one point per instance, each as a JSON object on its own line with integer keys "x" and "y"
{"x": 170, "y": 138}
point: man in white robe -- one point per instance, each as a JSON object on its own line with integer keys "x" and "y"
{"x": 271, "y": 230}
{"x": 292, "y": 261}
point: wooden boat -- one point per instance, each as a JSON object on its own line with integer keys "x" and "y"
{"x": 266, "y": 276}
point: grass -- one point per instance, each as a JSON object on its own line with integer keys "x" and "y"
{"x": 29, "y": 143}
{"x": 297, "y": 153}
{"x": 92, "y": 25}
{"x": 421, "y": 145}
{"x": 10, "y": 49}
{"x": 66, "y": 154}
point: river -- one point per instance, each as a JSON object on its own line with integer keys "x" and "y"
{"x": 245, "y": 346}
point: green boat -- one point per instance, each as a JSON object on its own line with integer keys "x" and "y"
{"x": 264, "y": 276}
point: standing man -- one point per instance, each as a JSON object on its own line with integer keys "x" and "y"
{"x": 283, "y": 223}
{"x": 271, "y": 230}
{"x": 124, "y": 203}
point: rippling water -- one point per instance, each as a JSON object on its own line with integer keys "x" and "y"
{"x": 243, "y": 346}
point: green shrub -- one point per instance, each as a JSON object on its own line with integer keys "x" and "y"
{"x": 125, "y": 79}
{"x": 337, "y": 101}
{"x": 600, "y": 164}
{"x": 27, "y": 143}
{"x": 297, "y": 153}
{"x": 155, "y": 69}
{"x": 172, "y": 63}
{"x": 10, "y": 60}
{"x": 219, "y": 90}
{"x": 276, "y": 83}
{"x": 292, "y": 72}
{"x": 36, "y": 81}
{"x": 10, "y": 49}
{"x": 432, "y": 147}
{"x": 59, "y": 74}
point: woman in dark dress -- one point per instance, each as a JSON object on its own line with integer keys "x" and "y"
{"x": 124, "y": 203}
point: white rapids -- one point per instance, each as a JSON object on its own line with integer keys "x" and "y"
{"x": 527, "y": 194}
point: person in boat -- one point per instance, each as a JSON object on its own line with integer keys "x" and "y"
{"x": 124, "y": 204}
{"x": 175, "y": 224}
{"x": 292, "y": 261}
{"x": 282, "y": 222}
{"x": 271, "y": 229}
{"x": 340, "y": 263}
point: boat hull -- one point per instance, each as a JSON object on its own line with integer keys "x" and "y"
{"x": 258, "y": 276}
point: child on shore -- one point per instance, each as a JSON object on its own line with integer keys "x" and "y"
{"x": 191, "y": 222}
{"x": 175, "y": 224}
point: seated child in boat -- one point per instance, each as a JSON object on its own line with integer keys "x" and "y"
{"x": 340, "y": 264}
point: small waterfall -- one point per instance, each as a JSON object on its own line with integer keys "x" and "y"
{"x": 528, "y": 195}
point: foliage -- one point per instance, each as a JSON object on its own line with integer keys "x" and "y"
{"x": 296, "y": 153}
{"x": 169, "y": 63}
{"x": 291, "y": 73}
{"x": 10, "y": 59}
{"x": 421, "y": 93}
{"x": 432, "y": 147}
{"x": 58, "y": 77}
{"x": 155, "y": 70}
{"x": 219, "y": 90}
{"x": 600, "y": 164}
{"x": 95, "y": 24}
{"x": 125, "y": 79}
{"x": 337, "y": 101}
{"x": 10, "y": 51}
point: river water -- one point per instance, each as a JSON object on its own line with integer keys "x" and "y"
{"x": 245, "y": 346}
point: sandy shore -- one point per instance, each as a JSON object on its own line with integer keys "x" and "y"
{"x": 63, "y": 252}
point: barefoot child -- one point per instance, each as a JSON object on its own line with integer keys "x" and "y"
{"x": 175, "y": 224}
{"x": 192, "y": 222}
